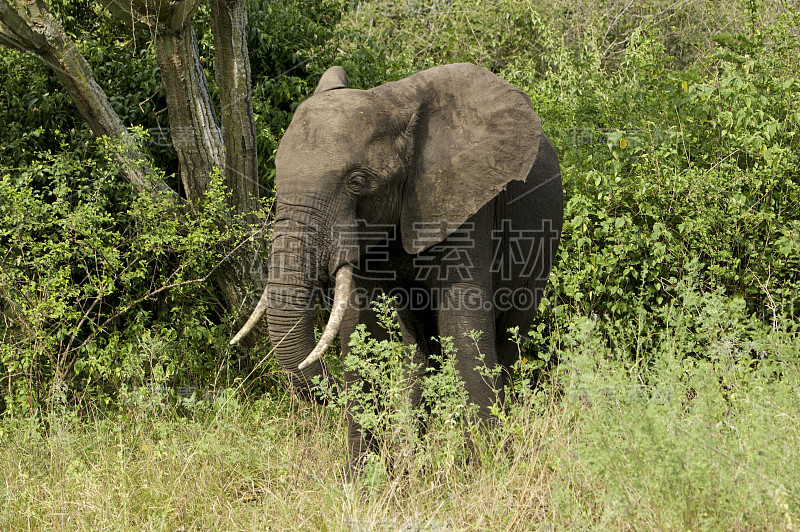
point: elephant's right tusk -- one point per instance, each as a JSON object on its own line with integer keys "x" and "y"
{"x": 261, "y": 307}
{"x": 341, "y": 296}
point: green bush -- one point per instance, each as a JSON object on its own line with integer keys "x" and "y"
{"x": 85, "y": 263}
{"x": 677, "y": 138}
{"x": 411, "y": 438}
{"x": 691, "y": 168}
{"x": 104, "y": 290}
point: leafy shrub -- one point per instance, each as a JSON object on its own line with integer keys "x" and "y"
{"x": 104, "y": 290}
{"x": 678, "y": 147}
{"x": 677, "y": 140}
{"x": 410, "y": 438}
{"x": 35, "y": 113}
{"x": 696, "y": 169}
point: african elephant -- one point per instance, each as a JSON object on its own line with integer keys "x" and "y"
{"x": 440, "y": 189}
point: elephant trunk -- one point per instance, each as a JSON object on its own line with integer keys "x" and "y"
{"x": 290, "y": 306}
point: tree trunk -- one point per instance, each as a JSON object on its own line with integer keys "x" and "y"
{"x": 196, "y": 137}
{"x": 200, "y": 143}
{"x": 244, "y": 276}
{"x": 232, "y": 68}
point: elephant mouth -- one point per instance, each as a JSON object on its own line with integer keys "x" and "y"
{"x": 341, "y": 297}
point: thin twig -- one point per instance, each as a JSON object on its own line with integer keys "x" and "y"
{"x": 771, "y": 305}
{"x": 74, "y": 334}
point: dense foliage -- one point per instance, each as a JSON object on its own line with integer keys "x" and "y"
{"x": 670, "y": 160}
{"x": 104, "y": 290}
{"x": 678, "y": 146}
{"x": 95, "y": 284}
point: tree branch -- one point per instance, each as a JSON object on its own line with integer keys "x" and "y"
{"x": 28, "y": 26}
{"x": 182, "y": 12}
{"x": 15, "y": 32}
{"x": 154, "y": 15}
{"x": 124, "y": 11}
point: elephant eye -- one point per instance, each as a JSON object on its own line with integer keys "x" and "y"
{"x": 356, "y": 182}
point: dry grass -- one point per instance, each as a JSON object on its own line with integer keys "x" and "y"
{"x": 593, "y": 458}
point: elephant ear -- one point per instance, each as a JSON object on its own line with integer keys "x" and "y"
{"x": 333, "y": 78}
{"x": 474, "y": 134}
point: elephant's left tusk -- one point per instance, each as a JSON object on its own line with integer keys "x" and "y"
{"x": 341, "y": 296}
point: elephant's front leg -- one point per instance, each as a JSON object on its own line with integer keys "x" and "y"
{"x": 359, "y": 440}
{"x": 419, "y": 330}
{"x": 465, "y": 307}
{"x": 465, "y": 304}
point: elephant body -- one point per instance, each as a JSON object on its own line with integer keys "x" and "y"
{"x": 439, "y": 189}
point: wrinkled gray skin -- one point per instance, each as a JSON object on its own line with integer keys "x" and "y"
{"x": 441, "y": 185}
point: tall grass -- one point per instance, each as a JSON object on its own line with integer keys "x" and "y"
{"x": 689, "y": 436}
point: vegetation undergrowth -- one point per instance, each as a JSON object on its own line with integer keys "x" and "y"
{"x": 701, "y": 439}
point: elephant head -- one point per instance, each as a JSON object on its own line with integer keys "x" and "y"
{"x": 425, "y": 151}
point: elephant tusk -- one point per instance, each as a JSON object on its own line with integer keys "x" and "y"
{"x": 261, "y": 307}
{"x": 341, "y": 296}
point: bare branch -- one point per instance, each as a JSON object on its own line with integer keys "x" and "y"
{"x": 29, "y": 26}
{"x": 157, "y": 16}
{"x": 121, "y": 312}
{"x": 126, "y": 12}
{"x": 182, "y": 13}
